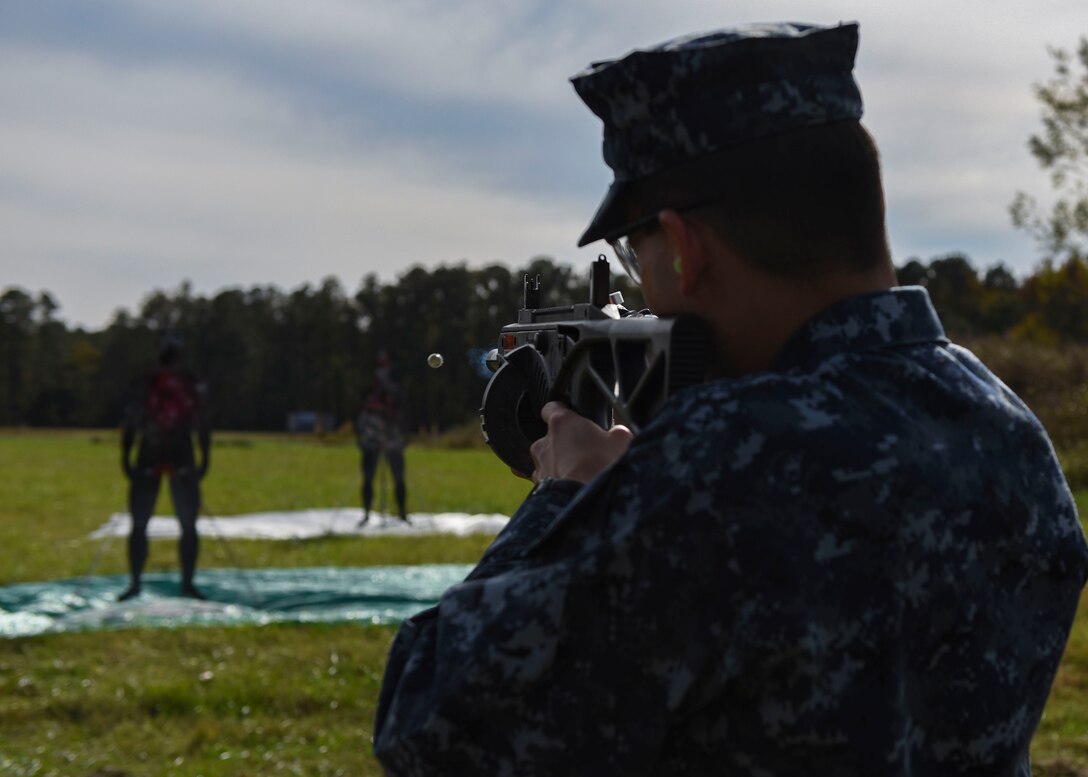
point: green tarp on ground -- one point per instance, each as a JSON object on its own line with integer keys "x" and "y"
{"x": 373, "y": 595}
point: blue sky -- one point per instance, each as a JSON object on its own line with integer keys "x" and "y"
{"x": 276, "y": 142}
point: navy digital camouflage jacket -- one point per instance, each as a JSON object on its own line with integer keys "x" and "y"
{"x": 864, "y": 561}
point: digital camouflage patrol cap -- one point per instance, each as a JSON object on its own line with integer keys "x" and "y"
{"x": 669, "y": 109}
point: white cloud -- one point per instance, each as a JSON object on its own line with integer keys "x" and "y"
{"x": 208, "y": 161}
{"x": 147, "y": 179}
{"x": 475, "y": 49}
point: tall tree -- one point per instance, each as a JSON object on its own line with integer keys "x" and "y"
{"x": 1062, "y": 150}
{"x": 955, "y": 290}
{"x": 1056, "y": 301}
{"x": 17, "y": 327}
{"x": 53, "y": 400}
{"x": 1002, "y": 304}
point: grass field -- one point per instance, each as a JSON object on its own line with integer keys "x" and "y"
{"x": 256, "y": 700}
{"x": 58, "y": 487}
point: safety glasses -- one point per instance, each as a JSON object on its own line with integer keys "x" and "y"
{"x": 625, "y": 253}
{"x": 621, "y": 247}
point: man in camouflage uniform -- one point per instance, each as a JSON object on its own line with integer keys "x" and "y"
{"x": 850, "y": 552}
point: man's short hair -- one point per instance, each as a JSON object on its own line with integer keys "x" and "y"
{"x": 799, "y": 204}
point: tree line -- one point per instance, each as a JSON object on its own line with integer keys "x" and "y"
{"x": 264, "y": 353}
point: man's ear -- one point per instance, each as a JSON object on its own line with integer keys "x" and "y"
{"x": 688, "y": 249}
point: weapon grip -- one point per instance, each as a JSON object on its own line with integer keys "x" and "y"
{"x": 585, "y": 382}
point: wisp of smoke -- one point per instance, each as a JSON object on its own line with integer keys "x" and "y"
{"x": 476, "y": 357}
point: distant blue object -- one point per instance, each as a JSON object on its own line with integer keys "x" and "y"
{"x": 370, "y": 595}
{"x": 310, "y": 421}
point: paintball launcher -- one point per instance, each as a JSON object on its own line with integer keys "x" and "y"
{"x": 609, "y": 364}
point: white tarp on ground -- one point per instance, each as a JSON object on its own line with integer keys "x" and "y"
{"x": 303, "y": 524}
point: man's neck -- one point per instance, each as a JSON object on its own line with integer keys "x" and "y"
{"x": 763, "y": 313}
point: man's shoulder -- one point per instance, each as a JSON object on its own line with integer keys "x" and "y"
{"x": 845, "y": 412}
{"x": 730, "y": 426}
{"x": 773, "y": 402}
{"x": 840, "y": 387}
